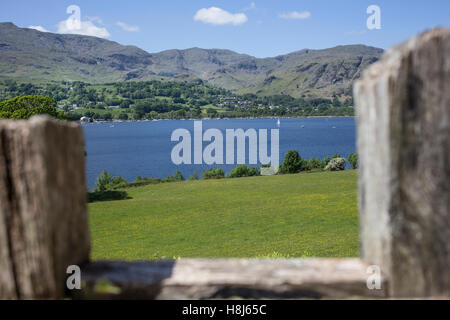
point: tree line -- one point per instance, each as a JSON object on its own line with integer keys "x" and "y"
{"x": 108, "y": 187}
{"x": 169, "y": 100}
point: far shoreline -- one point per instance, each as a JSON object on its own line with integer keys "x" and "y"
{"x": 201, "y": 119}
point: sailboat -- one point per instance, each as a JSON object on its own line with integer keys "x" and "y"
{"x": 279, "y": 123}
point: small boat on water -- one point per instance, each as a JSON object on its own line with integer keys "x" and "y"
{"x": 279, "y": 123}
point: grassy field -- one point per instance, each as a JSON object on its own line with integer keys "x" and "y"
{"x": 309, "y": 214}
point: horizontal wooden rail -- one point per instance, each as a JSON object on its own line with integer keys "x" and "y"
{"x": 228, "y": 278}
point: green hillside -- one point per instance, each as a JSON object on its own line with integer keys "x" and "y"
{"x": 30, "y": 55}
{"x": 308, "y": 214}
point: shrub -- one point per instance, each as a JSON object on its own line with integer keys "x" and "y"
{"x": 144, "y": 181}
{"x": 313, "y": 164}
{"x": 194, "y": 176}
{"x": 213, "y": 174}
{"x": 107, "y": 195}
{"x": 175, "y": 177}
{"x": 353, "y": 160}
{"x": 293, "y": 163}
{"x": 116, "y": 181}
{"x": 336, "y": 164}
{"x": 325, "y": 162}
{"x": 243, "y": 171}
{"x": 139, "y": 183}
{"x": 103, "y": 181}
{"x": 106, "y": 182}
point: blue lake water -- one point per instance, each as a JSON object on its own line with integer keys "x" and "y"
{"x": 129, "y": 149}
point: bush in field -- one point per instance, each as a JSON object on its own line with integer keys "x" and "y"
{"x": 108, "y": 195}
{"x": 25, "y": 107}
{"x": 116, "y": 181}
{"x": 175, "y": 177}
{"x": 336, "y": 155}
{"x": 194, "y": 176}
{"x": 325, "y": 162}
{"x": 213, "y": 174}
{"x": 106, "y": 182}
{"x": 353, "y": 160}
{"x": 243, "y": 171}
{"x": 103, "y": 181}
{"x": 313, "y": 163}
{"x": 336, "y": 164}
{"x": 293, "y": 163}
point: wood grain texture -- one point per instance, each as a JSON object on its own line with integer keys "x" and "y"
{"x": 43, "y": 213}
{"x": 403, "y": 110}
{"x": 228, "y": 278}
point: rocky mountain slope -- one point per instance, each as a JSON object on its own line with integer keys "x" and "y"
{"x": 30, "y": 55}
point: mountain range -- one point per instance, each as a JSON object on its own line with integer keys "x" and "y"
{"x": 34, "y": 56}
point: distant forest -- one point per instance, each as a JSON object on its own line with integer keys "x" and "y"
{"x": 169, "y": 100}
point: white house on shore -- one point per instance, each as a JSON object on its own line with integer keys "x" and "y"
{"x": 85, "y": 119}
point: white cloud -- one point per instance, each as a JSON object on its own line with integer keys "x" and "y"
{"x": 127, "y": 27}
{"x": 38, "y": 28}
{"x": 295, "y": 15}
{"x": 217, "y": 16}
{"x": 86, "y": 28}
{"x": 95, "y": 19}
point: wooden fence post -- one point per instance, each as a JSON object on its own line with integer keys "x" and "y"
{"x": 43, "y": 214}
{"x": 403, "y": 109}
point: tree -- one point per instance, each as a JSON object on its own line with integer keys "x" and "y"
{"x": 293, "y": 163}
{"x": 103, "y": 181}
{"x": 336, "y": 102}
{"x": 353, "y": 160}
{"x": 123, "y": 116}
{"x": 125, "y": 104}
{"x": 25, "y": 107}
{"x": 211, "y": 112}
{"x": 138, "y": 114}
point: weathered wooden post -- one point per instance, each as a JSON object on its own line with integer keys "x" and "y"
{"x": 43, "y": 214}
{"x": 403, "y": 110}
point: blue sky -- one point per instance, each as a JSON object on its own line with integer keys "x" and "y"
{"x": 261, "y": 28}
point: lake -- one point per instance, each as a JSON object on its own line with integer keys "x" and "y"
{"x": 129, "y": 149}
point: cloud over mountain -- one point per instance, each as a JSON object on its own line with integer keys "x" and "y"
{"x": 38, "y": 28}
{"x": 218, "y": 16}
{"x": 85, "y": 28}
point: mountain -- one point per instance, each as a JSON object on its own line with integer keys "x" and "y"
{"x": 31, "y": 55}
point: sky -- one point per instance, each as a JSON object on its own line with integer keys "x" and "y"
{"x": 262, "y": 28}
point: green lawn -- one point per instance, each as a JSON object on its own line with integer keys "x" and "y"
{"x": 309, "y": 214}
